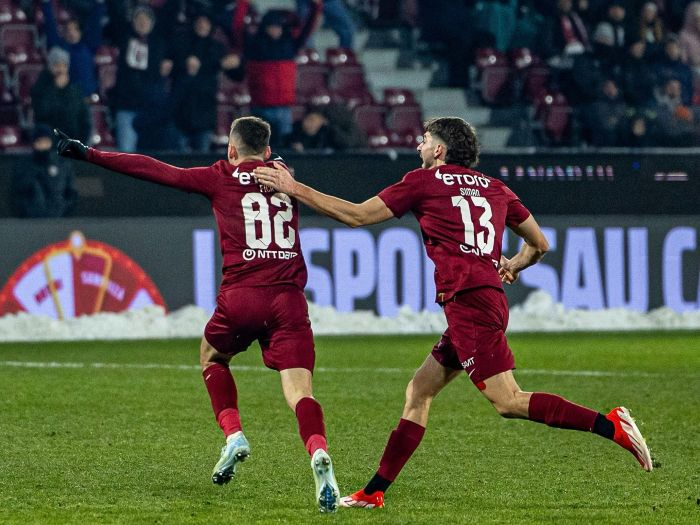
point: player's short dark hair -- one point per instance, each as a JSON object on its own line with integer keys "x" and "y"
{"x": 460, "y": 138}
{"x": 251, "y": 134}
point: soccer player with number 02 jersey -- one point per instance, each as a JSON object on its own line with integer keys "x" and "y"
{"x": 462, "y": 215}
{"x": 262, "y": 291}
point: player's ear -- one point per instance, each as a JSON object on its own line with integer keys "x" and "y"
{"x": 232, "y": 152}
{"x": 267, "y": 153}
{"x": 439, "y": 151}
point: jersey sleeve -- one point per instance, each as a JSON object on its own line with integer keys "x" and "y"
{"x": 194, "y": 180}
{"x": 403, "y": 196}
{"x": 517, "y": 212}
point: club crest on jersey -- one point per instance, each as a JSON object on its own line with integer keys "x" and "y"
{"x": 450, "y": 179}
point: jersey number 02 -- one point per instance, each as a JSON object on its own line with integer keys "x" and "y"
{"x": 262, "y": 237}
{"x": 484, "y": 239}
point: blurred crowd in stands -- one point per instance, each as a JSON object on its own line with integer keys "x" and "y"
{"x": 593, "y": 72}
{"x": 172, "y": 74}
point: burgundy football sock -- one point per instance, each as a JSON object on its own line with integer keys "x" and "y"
{"x": 556, "y": 411}
{"x": 224, "y": 397}
{"x": 311, "y": 427}
{"x": 403, "y": 442}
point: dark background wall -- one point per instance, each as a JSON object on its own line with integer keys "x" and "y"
{"x": 650, "y": 183}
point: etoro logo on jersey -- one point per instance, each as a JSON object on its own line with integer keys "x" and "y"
{"x": 78, "y": 277}
{"x": 261, "y": 230}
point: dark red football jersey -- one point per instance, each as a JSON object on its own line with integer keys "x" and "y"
{"x": 258, "y": 227}
{"x": 462, "y": 215}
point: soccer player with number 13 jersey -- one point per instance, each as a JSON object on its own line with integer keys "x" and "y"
{"x": 462, "y": 215}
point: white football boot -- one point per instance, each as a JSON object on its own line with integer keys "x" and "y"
{"x": 237, "y": 449}
{"x": 327, "y": 493}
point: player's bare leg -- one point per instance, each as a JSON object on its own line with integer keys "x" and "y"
{"x": 298, "y": 392}
{"x": 224, "y": 401}
{"x": 427, "y": 383}
{"x": 510, "y": 401}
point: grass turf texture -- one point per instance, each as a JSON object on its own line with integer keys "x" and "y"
{"x": 136, "y": 445}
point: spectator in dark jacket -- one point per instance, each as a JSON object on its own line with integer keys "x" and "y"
{"x": 56, "y": 101}
{"x": 270, "y": 66}
{"x": 671, "y": 67}
{"x": 142, "y": 64}
{"x": 676, "y": 120}
{"x": 197, "y": 60}
{"x": 42, "y": 186}
{"x": 606, "y": 116}
{"x": 81, "y": 45}
{"x": 565, "y": 35}
{"x": 311, "y": 132}
{"x": 609, "y": 37}
{"x": 638, "y": 78}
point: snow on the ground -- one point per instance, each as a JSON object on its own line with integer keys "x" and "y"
{"x": 538, "y": 313}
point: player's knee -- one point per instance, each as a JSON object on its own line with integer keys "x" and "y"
{"x": 416, "y": 396}
{"x": 208, "y": 355}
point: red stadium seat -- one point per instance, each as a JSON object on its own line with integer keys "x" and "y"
{"x": 370, "y": 117}
{"x": 348, "y": 78}
{"x": 308, "y": 56}
{"x": 232, "y": 93}
{"x": 11, "y": 13}
{"x": 399, "y": 97}
{"x": 407, "y": 138}
{"x": 17, "y": 36}
{"x": 404, "y": 118}
{"x": 535, "y": 81}
{"x": 224, "y": 116}
{"x": 487, "y": 57}
{"x": 320, "y": 97}
{"x": 339, "y": 56}
{"x": 310, "y": 79}
{"x": 101, "y": 133}
{"x": 11, "y": 139}
{"x": 105, "y": 55}
{"x": 106, "y": 78}
{"x": 496, "y": 84}
{"x": 555, "y": 113}
{"x": 353, "y": 97}
{"x": 25, "y": 77}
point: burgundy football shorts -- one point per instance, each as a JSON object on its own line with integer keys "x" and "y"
{"x": 475, "y": 339}
{"x": 277, "y": 316}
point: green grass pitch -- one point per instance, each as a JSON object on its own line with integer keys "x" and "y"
{"x": 105, "y": 439}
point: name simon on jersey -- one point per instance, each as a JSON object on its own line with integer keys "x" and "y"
{"x": 450, "y": 179}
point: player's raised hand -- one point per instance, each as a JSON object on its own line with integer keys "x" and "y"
{"x": 70, "y": 148}
{"x": 278, "y": 178}
{"x": 506, "y": 271}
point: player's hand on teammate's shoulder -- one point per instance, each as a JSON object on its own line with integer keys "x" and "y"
{"x": 506, "y": 271}
{"x": 68, "y": 147}
{"x": 277, "y": 177}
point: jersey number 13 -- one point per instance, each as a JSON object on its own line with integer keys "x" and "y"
{"x": 484, "y": 239}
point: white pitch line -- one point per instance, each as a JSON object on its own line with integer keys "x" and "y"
{"x": 322, "y": 369}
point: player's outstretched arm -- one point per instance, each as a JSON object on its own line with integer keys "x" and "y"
{"x": 139, "y": 166}
{"x": 532, "y": 251}
{"x": 371, "y": 211}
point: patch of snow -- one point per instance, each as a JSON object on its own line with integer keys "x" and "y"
{"x": 539, "y": 313}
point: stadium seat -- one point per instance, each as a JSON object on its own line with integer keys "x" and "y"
{"x": 488, "y": 57}
{"x": 353, "y": 97}
{"x": 101, "y": 133}
{"x": 232, "y": 93}
{"x": 24, "y": 78}
{"x": 403, "y": 118}
{"x": 310, "y": 79}
{"x": 407, "y": 138}
{"x": 535, "y": 81}
{"x": 399, "y": 97}
{"x": 107, "y": 78}
{"x": 13, "y": 36}
{"x": 370, "y": 119}
{"x": 555, "y": 113}
{"x": 11, "y": 13}
{"x": 338, "y": 56}
{"x": 105, "y": 55}
{"x": 496, "y": 84}
{"x": 11, "y": 139}
{"x": 348, "y": 78}
{"x": 308, "y": 56}
{"x": 225, "y": 114}
{"x": 320, "y": 97}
